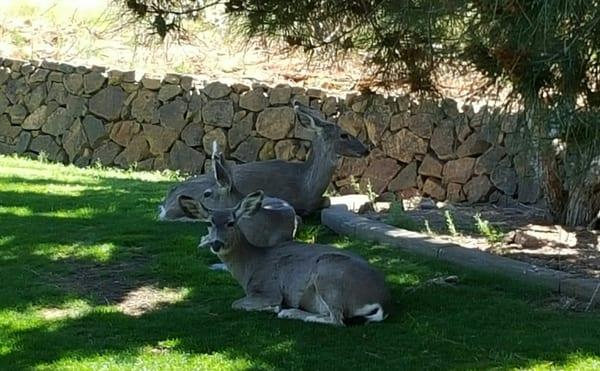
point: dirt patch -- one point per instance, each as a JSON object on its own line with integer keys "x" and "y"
{"x": 113, "y": 283}
{"x": 148, "y": 298}
{"x": 523, "y": 233}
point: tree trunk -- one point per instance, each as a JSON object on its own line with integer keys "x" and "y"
{"x": 584, "y": 198}
{"x": 552, "y": 185}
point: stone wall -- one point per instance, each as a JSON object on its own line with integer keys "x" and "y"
{"x": 82, "y": 115}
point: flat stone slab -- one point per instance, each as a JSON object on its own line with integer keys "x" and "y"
{"x": 342, "y": 220}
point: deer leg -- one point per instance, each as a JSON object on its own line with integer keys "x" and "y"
{"x": 260, "y": 304}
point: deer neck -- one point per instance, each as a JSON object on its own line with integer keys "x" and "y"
{"x": 319, "y": 166}
{"x": 241, "y": 258}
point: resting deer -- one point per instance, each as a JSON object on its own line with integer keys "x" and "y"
{"x": 302, "y": 184}
{"x": 309, "y": 282}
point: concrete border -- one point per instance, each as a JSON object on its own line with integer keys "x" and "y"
{"x": 340, "y": 219}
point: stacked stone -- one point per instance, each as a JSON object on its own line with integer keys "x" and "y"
{"x": 86, "y": 115}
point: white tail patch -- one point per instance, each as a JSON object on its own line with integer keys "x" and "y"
{"x": 371, "y": 312}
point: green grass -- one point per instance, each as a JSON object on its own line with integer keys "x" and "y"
{"x": 77, "y": 245}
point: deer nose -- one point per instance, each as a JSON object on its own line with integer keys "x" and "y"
{"x": 216, "y": 246}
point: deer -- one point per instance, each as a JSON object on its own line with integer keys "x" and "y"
{"x": 301, "y": 184}
{"x": 308, "y": 282}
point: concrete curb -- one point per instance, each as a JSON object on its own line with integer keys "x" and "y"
{"x": 342, "y": 221}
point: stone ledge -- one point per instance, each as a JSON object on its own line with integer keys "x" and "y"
{"x": 340, "y": 219}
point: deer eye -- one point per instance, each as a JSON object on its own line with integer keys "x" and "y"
{"x": 230, "y": 223}
{"x": 345, "y": 136}
{"x": 207, "y": 193}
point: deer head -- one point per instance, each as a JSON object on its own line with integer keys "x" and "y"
{"x": 222, "y": 222}
{"x": 344, "y": 143}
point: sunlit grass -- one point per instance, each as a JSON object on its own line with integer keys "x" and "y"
{"x": 95, "y": 252}
{"x": 90, "y": 280}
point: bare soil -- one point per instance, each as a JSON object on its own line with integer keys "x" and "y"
{"x": 526, "y": 235}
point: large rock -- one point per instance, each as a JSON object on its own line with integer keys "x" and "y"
{"x": 194, "y": 112}
{"x": 8, "y": 130}
{"x": 217, "y": 135}
{"x": 352, "y": 166}
{"x": 267, "y": 152}
{"x": 477, "y": 188}
{"x": 144, "y": 107}
{"x": 434, "y": 188}
{"x": 241, "y": 130}
{"x": 486, "y": 163}
{"x": 3, "y": 104}
{"x": 45, "y": 144}
{"x": 34, "y": 99}
{"x": 275, "y": 123}
{"x": 36, "y": 119}
{"x": 505, "y": 179}
{"x": 463, "y": 130}
{"x": 406, "y": 178}
{"x": 168, "y": 92}
{"x": 431, "y": 167}
{"x": 450, "y": 108}
{"x": 159, "y": 138}
{"x": 136, "y": 150}
{"x": 123, "y": 132}
{"x": 403, "y": 145}
{"x": 74, "y": 140}
{"x": 458, "y": 171}
{"x": 58, "y": 122}
{"x": 15, "y": 89}
{"x": 108, "y": 102}
{"x": 454, "y": 193}
{"x": 399, "y": 121}
{"x": 23, "y": 142}
{"x": 376, "y": 122}
{"x": 216, "y": 90}
{"x": 17, "y": 113}
{"x": 218, "y": 113}
{"x": 92, "y": 82}
{"x": 73, "y": 83}
{"x": 106, "y": 153}
{"x": 172, "y": 114}
{"x": 286, "y": 149}
{"x": 94, "y": 130}
{"x": 57, "y": 93}
{"x": 76, "y": 106}
{"x": 350, "y": 121}
{"x": 473, "y": 145}
{"x": 192, "y": 134}
{"x": 422, "y": 124}
{"x": 442, "y": 142}
{"x": 379, "y": 174}
{"x": 254, "y": 100}
{"x": 185, "y": 158}
{"x": 248, "y": 150}
{"x": 38, "y": 76}
{"x": 280, "y": 94}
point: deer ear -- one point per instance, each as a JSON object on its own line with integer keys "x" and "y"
{"x": 249, "y": 205}
{"x": 215, "y": 150}
{"x": 192, "y": 208}
{"x": 222, "y": 172}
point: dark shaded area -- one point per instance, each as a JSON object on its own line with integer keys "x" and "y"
{"x": 472, "y": 325}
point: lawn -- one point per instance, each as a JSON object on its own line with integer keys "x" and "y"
{"x": 90, "y": 280}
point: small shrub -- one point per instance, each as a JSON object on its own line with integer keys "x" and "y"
{"x": 491, "y": 234}
{"x": 398, "y": 218}
{"x": 450, "y": 223}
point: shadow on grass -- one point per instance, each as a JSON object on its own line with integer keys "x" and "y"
{"x": 483, "y": 322}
